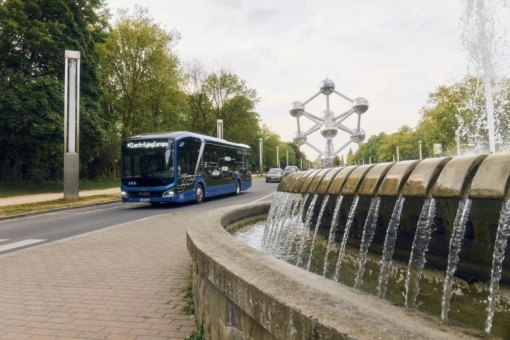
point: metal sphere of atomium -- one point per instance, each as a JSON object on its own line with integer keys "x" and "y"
{"x": 299, "y": 138}
{"x": 296, "y": 109}
{"x": 360, "y": 105}
{"x": 328, "y": 128}
{"x": 358, "y": 136}
{"x": 327, "y": 86}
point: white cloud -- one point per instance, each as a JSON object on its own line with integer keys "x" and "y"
{"x": 394, "y": 53}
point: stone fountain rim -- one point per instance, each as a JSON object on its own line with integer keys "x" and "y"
{"x": 306, "y": 303}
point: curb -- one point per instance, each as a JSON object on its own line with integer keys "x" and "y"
{"x": 40, "y": 212}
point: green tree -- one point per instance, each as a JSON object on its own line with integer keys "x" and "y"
{"x": 270, "y": 141}
{"x": 406, "y": 141}
{"x": 350, "y": 157}
{"x": 298, "y": 156}
{"x": 222, "y": 95}
{"x": 33, "y": 37}
{"x": 336, "y": 161}
{"x": 460, "y": 109}
{"x": 141, "y": 75}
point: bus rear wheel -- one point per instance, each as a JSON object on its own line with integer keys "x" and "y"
{"x": 199, "y": 194}
{"x": 238, "y": 188}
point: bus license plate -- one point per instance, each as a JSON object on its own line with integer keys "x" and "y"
{"x": 145, "y": 199}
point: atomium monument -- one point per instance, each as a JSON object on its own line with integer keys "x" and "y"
{"x": 329, "y": 124}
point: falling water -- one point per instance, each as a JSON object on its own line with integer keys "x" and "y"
{"x": 366, "y": 239}
{"x": 319, "y": 218}
{"x": 389, "y": 247}
{"x": 278, "y": 218}
{"x": 309, "y": 214}
{"x": 459, "y": 228}
{"x": 300, "y": 208}
{"x": 270, "y": 216}
{"x": 419, "y": 248}
{"x": 341, "y": 252}
{"x": 283, "y": 223}
{"x": 497, "y": 261}
{"x": 332, "y": 232}
{"x": 291, "y": 221}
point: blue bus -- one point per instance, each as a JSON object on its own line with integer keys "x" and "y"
{"x": 182, "y": 166}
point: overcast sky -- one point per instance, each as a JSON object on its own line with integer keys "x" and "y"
{"x": 394, "y": 53}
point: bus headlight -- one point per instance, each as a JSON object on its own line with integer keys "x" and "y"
{"x": 168, "y": 193}
{"x": 124, "y": 194}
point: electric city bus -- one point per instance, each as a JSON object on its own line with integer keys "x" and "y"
{"x": 182, "y": 166}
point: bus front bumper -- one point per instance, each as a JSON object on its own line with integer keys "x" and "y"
{"x": 169, "y": 196}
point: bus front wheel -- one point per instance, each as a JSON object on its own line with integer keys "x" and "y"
{"x": 199, "y": 194}
{"x": 238, "y": 188}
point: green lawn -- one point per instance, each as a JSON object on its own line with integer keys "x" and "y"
{"x": 10, "y": 189}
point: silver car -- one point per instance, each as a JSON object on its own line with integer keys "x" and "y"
{"x": 290, "y": 169}
{"x": 274, "y": 175}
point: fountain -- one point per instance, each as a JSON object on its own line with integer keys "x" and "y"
{"x": 455, "y": 211}
{"x": 444, "y": 190}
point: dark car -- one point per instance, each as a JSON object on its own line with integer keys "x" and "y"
{"x": 290, "y": 169}
{"x": 274, "y": 175}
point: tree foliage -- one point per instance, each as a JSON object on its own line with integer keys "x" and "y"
{"x": 460, "y": 109}
{"x": 33, "y": 37}
{"x": 220, "y": 94}
{"x": 140, "y": 74}
{"x": 457, "y": 109}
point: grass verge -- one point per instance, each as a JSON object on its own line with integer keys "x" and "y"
{"x": 11, "y": 210}
{"x": 30, "y": 188}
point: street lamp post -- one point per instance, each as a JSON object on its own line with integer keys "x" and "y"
{"x": 398, "y": 154}
{"x": 219, "y": 128}
{"x": 287, "y": 157}
{"x": 261, "y": 150}
{"x": 71, "y": 124}
{"x": 419, "y": 146}
{"x": 277, "y": 156}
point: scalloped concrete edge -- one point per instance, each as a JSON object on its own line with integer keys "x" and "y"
{"x": 243, "y": 293}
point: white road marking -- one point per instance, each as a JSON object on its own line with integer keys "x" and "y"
{"x": 3, "y": 240}
{"x": 71, "y": 212}
{"x": 19, "y": 244}
{"x": 260, "y": 199}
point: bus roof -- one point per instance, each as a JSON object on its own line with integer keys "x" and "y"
{"x": 183, "y": 134}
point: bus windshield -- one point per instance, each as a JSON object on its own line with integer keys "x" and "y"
{"x": 148, "y": 167}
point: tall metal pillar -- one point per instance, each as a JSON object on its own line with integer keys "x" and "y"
{"x": 277, "y": 156}
{"x": 72, "y": 125}
{"x": 261, "y": 150}
{"x": 219, "y": 128}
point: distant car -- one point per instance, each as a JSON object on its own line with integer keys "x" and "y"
{"x": 274, "y": 175}
{"x": 290, "y": 169}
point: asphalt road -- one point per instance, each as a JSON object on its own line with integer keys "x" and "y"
{"x": 25, "y": 232}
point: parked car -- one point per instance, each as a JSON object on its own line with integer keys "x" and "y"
{"x": 274, "y": 175}
{"x": 290, "y": 169}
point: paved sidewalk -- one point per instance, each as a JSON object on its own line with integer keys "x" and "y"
{"x": 14, "y": 200}
{"x": 124, "y": 282}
